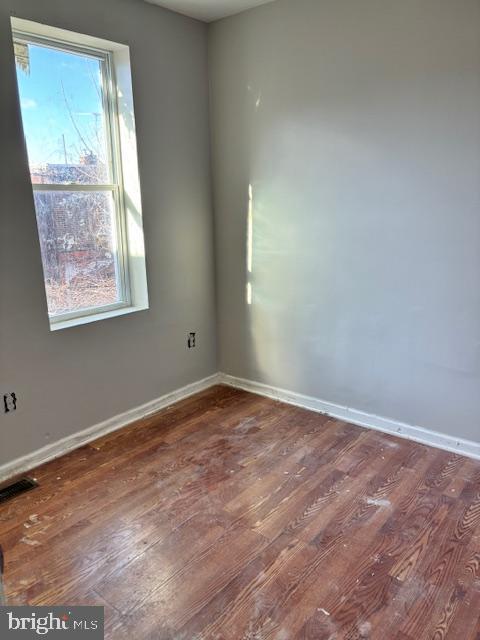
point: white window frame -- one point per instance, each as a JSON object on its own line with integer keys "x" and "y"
{"x": 130, "y": 271}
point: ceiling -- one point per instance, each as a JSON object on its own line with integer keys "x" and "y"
{"x": 209, "y": 10}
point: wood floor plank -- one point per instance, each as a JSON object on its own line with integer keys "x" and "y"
{"x": 131, "y": 584}
{"x": 230, "y": 516}
{"x": 186, "y": 591}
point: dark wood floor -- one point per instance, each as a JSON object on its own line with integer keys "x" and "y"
{"x": 230, "y": 516}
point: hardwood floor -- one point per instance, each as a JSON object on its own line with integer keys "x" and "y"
{"x": 230, "y": 516}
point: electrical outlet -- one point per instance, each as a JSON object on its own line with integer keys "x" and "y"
{"x": 10, "y": 402}
{"x": 191, "y": 340}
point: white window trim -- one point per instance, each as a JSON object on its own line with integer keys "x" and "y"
{"x": 126, "y": 188}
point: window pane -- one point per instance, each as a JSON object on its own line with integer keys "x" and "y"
{"x": 65, "y": 125}
{"x": 77, "y": 239}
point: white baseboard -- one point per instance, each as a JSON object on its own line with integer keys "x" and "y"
{"x": 60, "y": 447}
{"x": 443, "y": 441}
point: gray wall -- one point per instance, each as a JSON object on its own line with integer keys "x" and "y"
{"x": 358, "y": 126}
{"x": 72, "y": 379}
{"x": 357, "y": 123}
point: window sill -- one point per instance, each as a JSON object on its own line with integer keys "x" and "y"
{"x": 104, "y": 315}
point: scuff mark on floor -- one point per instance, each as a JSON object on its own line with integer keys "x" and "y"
{"x": 364, "y": 629}
{"x": 31, "y": 521}
{"x": 379, "y": 502}
{"x": 29, "y": 542}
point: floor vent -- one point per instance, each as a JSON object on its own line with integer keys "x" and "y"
{"x": 15, "y": 489}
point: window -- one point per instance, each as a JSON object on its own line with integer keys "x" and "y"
{"x": 72, "y": 127}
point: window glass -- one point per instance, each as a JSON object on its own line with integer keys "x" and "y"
{"x": 64, "y": 120}
{"x": 67, "y": 123}
{"x": 78, "y": 244}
